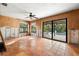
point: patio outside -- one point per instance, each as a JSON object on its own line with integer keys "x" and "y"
{"x": 59, "y": 30}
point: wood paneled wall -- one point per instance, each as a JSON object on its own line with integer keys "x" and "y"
{"x": 9, "y": 21}
{"x": 72, "y": 20}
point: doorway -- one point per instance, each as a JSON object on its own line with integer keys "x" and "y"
{"x": 47, "y": 30}
{"x": 55, "y": 30}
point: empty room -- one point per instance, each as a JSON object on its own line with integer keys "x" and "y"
{"x": 39, "y": 29}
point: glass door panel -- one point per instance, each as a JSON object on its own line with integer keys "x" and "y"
{"x": 59, "y": 30}
{"x": 55, "y": 30}
{"x": 47, "y": 29}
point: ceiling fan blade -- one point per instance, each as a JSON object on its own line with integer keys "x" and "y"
{"x": 27, "y": 17}
{"x": 36, "y": 17}
{"x": 26, "y": 11}
{"x": 33, "y": 15}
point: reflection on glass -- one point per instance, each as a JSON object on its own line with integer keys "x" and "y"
{"x": 47, "y": 29}
{"x": 59, "y": 30}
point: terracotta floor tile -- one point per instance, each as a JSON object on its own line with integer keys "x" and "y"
{"x": 34, "y": 46}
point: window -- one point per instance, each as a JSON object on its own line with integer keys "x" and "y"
{"x": 33, "y": 28}
{"x": 47, "y": 29}
{"x": 23, "y": 27}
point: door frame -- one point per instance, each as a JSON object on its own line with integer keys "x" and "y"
{"x": 52, "y": 30}
{"x": 43, "y": 29}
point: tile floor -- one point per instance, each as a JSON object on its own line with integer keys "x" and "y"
{"x": 33, "y": 46}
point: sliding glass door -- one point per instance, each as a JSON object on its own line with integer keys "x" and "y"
{"x": 55, "y": 30}
{"x": 47, "y": 29}
{"x": 59, "y": 30}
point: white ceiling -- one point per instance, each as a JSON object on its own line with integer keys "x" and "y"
{"x": 41, "y": 10}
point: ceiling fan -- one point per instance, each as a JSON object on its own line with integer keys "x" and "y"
{"x": 4, "y": 4}
{"x": 32, "y": 16}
